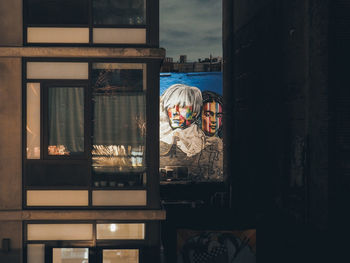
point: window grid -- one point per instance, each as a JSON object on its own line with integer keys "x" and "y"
{"x": 150, "y": 24}
{"x": 48, "y": 160}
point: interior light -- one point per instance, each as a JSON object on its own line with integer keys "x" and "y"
{"x": 113, "y": 227}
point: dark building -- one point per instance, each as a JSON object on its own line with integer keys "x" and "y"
{"x": 183, "y": 58}
{"x": 286, "y": 134}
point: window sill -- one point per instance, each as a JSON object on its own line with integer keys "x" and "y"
{"x": 88, "y": 52}
{"x": 20, "y": 215}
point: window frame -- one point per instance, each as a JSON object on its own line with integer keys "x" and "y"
{"x": 151, "y": 27}
{"x": 151, "y": 186}
{"x": 94, "y": 245}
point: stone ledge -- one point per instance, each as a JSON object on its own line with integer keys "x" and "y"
{"x": 82, "y": 52}
{"x": 21, "y": 215}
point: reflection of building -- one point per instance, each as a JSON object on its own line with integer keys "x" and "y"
{"x": 183, "y": 58}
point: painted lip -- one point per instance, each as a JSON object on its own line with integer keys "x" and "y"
{"x": 212, "y": 127}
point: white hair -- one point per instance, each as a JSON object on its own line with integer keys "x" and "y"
{"x": 182, "y": 95}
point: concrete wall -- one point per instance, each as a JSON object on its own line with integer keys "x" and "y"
{"x": 319, "y": 113}
{"x": 246, "y": 10}
{"x": 13, "y": 231}
{"x": 11, "y": 25}
{"x": 10, "y": 134}
{"x": 281, "y": 111}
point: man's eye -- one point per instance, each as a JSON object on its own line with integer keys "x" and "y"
{"x": 219, "y": 115}
{"x": 207, "y": 114}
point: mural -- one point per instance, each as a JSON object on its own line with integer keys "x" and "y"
{"x": 216, "y": 246}
{"x": 190, "y": 134}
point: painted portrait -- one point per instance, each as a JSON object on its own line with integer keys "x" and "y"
{"x": 194, "y": 246}
{"x": 187, "y": 151}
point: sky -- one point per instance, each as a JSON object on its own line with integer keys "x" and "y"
{"x": 191, "y": 27}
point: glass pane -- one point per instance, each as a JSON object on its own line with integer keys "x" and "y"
{"x": 57, "y": 12}
{"x": 57, "y": 198}
{"x": 119, "y": 35}
{"x": 119, "y": 198}
{"x": 70, "y": 255}
{"x": 120, "y": 231}
{"x": 119, "y": 12}
{"x": 119, "y": 125}
{"x": 59, "y": 231}
{"x": 33, "y": 121}
{"x": 120, "y": 256}
{"x": 57, "y": 35}
{"x": 57, "y": 70}
{"x": 35, "y": 253}
{"x": 66, "y": 121}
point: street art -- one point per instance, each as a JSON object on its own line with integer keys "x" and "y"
{"x": 190, "y": 134}
{"x": 216, "y": 246}
{"x": 212, "y": 112}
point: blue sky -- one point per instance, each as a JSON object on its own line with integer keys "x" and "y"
{"x": 191, "y": 27}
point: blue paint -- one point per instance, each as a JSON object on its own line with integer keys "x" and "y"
{"x": 211, "y": 81}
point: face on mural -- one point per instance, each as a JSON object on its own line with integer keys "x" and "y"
{"x": 181, "y": 117}
{"x": 211, "y": 118}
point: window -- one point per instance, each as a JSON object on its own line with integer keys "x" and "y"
{"x": 86, "y": 133}
{"x": 77, "y": 242}
{"x": 88, "y": 22}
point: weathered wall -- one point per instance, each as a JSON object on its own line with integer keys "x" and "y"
{"x": 318, "y": 118}
{"x": 281, "y": 97}
{"x": 246, "y": 10}
{"x": 11, "y": 26}
{"x": 257, "y": 110}
{"x": 281, "y": 111}
{"x": 13, "y": 231}
{"x": 10, "y": 133}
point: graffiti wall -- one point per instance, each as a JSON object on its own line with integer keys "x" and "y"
{"x": 216, "y": 246}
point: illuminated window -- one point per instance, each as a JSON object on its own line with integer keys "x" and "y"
{"x": 86, "y": 128}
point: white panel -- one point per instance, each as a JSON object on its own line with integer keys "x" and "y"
{"x": 119, "y": 35}
{"x": 57, "y": 35}
{"x": 57, "y": 70}
{"x": 57, "y": 198}
{"x": 33, "y": 121}
{"x": 121, "y": 231}
{"x": 35, "y": 253}
{"x": 119, "y": 198}
{"x": 59, "y": 231}
{"x": 120, "y": 256}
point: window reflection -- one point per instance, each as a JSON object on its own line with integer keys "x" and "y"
{"x": 120, "y": 12}
{"x": 119, "y": 124}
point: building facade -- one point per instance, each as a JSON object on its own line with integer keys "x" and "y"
{"x": 79, "y": 169}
